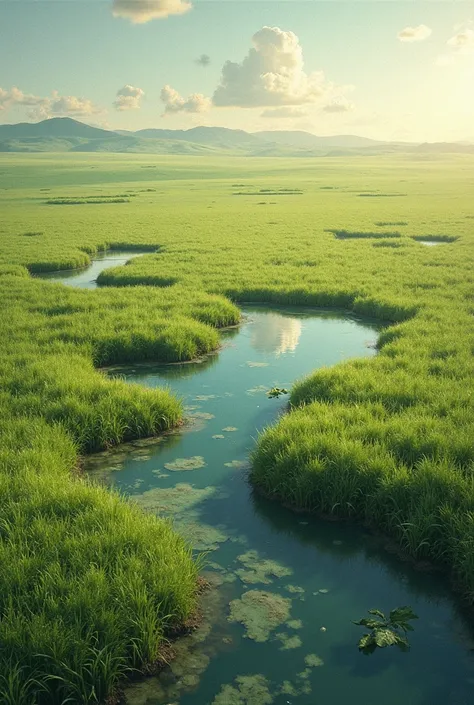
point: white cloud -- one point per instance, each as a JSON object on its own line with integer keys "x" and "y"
{"x": 415, "y": 34}
{"x": 203, "y": 60}
{"x": 462, "y": 40}
{"x": 128, "y": 98}
{"x": 141, "y": 11}
{"x": 459, "y": 46}
{"x": 42, "y": 108}
{"x": 284, "y": 112}
{"x": 175, "y": 103}
{"x": 340, "y": 105}
{"x": 272, "y": 74}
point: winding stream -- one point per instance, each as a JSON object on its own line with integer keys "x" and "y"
{"x": 277, "y": 628}
{"x": 85, "y": 278}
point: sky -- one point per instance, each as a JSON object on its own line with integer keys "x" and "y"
{"x": 385, "y": 69}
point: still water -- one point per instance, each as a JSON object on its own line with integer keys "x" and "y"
{"x": 277, "y": 625}
{"x": 86, "y": 278}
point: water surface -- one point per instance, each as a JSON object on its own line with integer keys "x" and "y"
{"x": 295, "y": 642}
{"x": 86, "y": 278}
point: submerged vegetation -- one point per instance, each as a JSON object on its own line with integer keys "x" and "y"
{"x": 90, "y": 583}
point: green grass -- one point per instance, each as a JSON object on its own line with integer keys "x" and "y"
{"x": 387, "y": 441}
{"x": 89, "y": 585}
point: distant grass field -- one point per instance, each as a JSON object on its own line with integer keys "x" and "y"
{"x": 387, "y": 441}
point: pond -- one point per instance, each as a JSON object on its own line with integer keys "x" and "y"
{"x": 86, "y": 278}
{"x": 277, "y": 624}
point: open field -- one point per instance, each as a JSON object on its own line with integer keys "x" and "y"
{"x": 387, "y": 440}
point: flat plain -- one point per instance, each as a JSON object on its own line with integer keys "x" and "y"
{"x": 386, "y": 441}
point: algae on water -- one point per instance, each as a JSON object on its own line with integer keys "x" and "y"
{"x": 313, "y": 661}
{"x": 288, "y": 642}
{"x": 181, "y": 464}
{"x": 238, "y": 464}
{"x": 173, "y": 500}
{"x": 260, "y": 570}
{"x": 260, "y": 612}
{"x": 295, "y": 589}
{"x": 247, "y": 690}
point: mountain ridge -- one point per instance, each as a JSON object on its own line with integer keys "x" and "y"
{"x": 65, "y": 134}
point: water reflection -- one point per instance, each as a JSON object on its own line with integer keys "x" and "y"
{"x": 276, "y": 334}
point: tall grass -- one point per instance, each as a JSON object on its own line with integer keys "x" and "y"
{"x": 89, "y": 585}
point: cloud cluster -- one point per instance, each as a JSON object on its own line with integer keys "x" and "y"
{"x": 203, "y": 60}
{"x": 175, "y": 103}
{"x": 415, "y": 34}
{"x": 42, "y": 108}
{"x": 272, "y": 74}
{"x": 128, "y": 98}
{"x": 141, "y": 11}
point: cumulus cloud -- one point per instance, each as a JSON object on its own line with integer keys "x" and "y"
{"x": 459, "y": 46}
{"x": 338, "y": 106}
{"x": 175, "y": 103}
{"x": 128, "y": 98}
{"x": 284, "y": 112}
{"x": 14, "y": 96}
{"x": 141, "y": 11}
{"x": 415, "y": 34}
{"x": 45, "y": 107}
{"x": 462, "y": 40}
{"x": 203, "y": 60}
{"x": 272, "y": 74}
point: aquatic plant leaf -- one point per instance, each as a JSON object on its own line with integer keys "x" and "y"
{"x": 385, "y": 637}
{"x": 370, "y": 623}
{"x": 401, "y": 615}
{"x": 367, "y": 644}
{"x": 377, "y": 613}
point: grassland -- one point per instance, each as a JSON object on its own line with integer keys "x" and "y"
{"x": 387, "y": 441}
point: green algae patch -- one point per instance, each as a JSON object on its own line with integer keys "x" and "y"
{"x": 247, "y": 690}
{"x": 259, "y": 389}
{"x": 313, "y": 661}
{"x": 173, "y": 500}
{"x": 288, "y": 641}
{"x": 294, "y": 624}
{"x": 237, "y": 464}
{"x": 260, "y": 612}
{"x": 202, "y": 537}
{"x": 182, "y": 464}
{"x": 294, "y": 589}
{"x": 205, "y": 397}
{"x": 218, "y": 436}
{"x": 230, "y": 429}
{"x": 260, "y": 570}
{"x": 202, "y": 415}
{"x": 258, "y": 364}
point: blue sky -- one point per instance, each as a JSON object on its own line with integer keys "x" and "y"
{"x": 69, "y": 57}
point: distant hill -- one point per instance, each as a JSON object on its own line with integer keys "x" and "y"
{"x": 306, "y": 140}
{"x": 54, "y": 127}
{"x": 68, "y": 135}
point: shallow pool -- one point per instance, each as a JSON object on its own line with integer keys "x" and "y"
{"x": 277, "y": 626}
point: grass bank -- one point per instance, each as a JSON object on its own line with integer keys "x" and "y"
{"x": 89, "y": 585}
